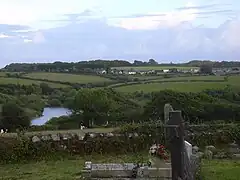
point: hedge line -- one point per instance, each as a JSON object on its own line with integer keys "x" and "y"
{"x": 22, "y": 148}
{"x": 161, "y": 81}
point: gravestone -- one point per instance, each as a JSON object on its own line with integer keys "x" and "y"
{"x": 124, "y": 171}
{"x": 188, "y": 148}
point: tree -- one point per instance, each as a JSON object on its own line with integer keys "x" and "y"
{"x": 13, "y": 117}
{"x": 152, "y": 62}
{"x": 93, "y": 104}
{"x": 206, "y": 68}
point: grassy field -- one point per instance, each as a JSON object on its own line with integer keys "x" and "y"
{"x": 234, "y": 81}
{"x": 221, "y": 170}
{"x": 72, "y": 131}
{"x": 27, "y": 82}
{"x": 64, "y": 77}
{"x": 140, "y": 68}
{"x": 162, "y": 84}
{"x": 178, "y": 86}
{"x": 69, "y": 169}
{"x": 58, "y": 170}
{"x": 3, "y": 74}
{"x": 199, "y": 78}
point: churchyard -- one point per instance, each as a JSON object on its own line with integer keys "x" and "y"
{"x": 132, "y": 152}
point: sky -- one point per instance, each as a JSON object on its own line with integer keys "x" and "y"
{"x": 75, "y": 30}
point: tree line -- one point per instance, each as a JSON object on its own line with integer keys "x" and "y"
{"x": 92, "y": 66}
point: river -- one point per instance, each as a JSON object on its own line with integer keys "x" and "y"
{"x": 49, "y": 113}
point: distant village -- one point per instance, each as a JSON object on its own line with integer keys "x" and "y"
{"x": 132, "y": 71}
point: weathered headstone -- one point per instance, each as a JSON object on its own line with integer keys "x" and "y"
{"x": 188, "y": 148}
{"x": 123, "y": 171}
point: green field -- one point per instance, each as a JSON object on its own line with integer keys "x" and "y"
{"x": 142, "y": 68}
{"x": 198, "y": 78}
{"x": 69, "y": 169}
{"x": 165, "y": 83}
{"x": 2, "y": 74}
{"x": 234, "y": 80}
{"x": 178, "y": 86}
{"x": 64, "y": 77}
{"x": 27, "y": 82}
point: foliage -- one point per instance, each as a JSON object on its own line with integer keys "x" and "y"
{"x": 100, "y": 106}
{"x": 194, "y": 106}
{"x": 14, "y": 117}
{"x": 206, "y": 68}
{"x": 125, "y": 141}
{"x": 201, "y": 135}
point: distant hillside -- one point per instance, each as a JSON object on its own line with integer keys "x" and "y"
{"x": 90, "y": 66}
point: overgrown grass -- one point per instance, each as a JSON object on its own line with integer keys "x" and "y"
{"x": 70, "y": 168}
{"x": 221, "y": 170}
{"x": 154, "y": 67}
{"x": 178, "y": 86}
{"x": 66, "y": 169}
{"x": 4, "y": 80}
{"x": 64, "y": 77}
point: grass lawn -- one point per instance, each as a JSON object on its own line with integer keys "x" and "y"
{"x": 69, "y": 169}
{"x": 221, "y": 170}
{"x": 178, "y": 86}
{"x": 58, "y": 170}
{"x": 142, "y": 68}
{"x": 27, "y": 82}
{"x": 64, "y": 77}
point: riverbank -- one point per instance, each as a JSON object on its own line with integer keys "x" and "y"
{"x": 69, "y": 169}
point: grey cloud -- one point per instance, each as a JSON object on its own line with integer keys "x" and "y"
{"x": 94, "y": 39}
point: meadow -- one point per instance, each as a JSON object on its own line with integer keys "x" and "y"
{"x": 183, "y": 84}
{"x": 178, "y": 86}
{"x": 64, "y": 77}
{"x": 141, "y": 68}
{"x": 5, "y": 80}
{"x": 197, "y": 78}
